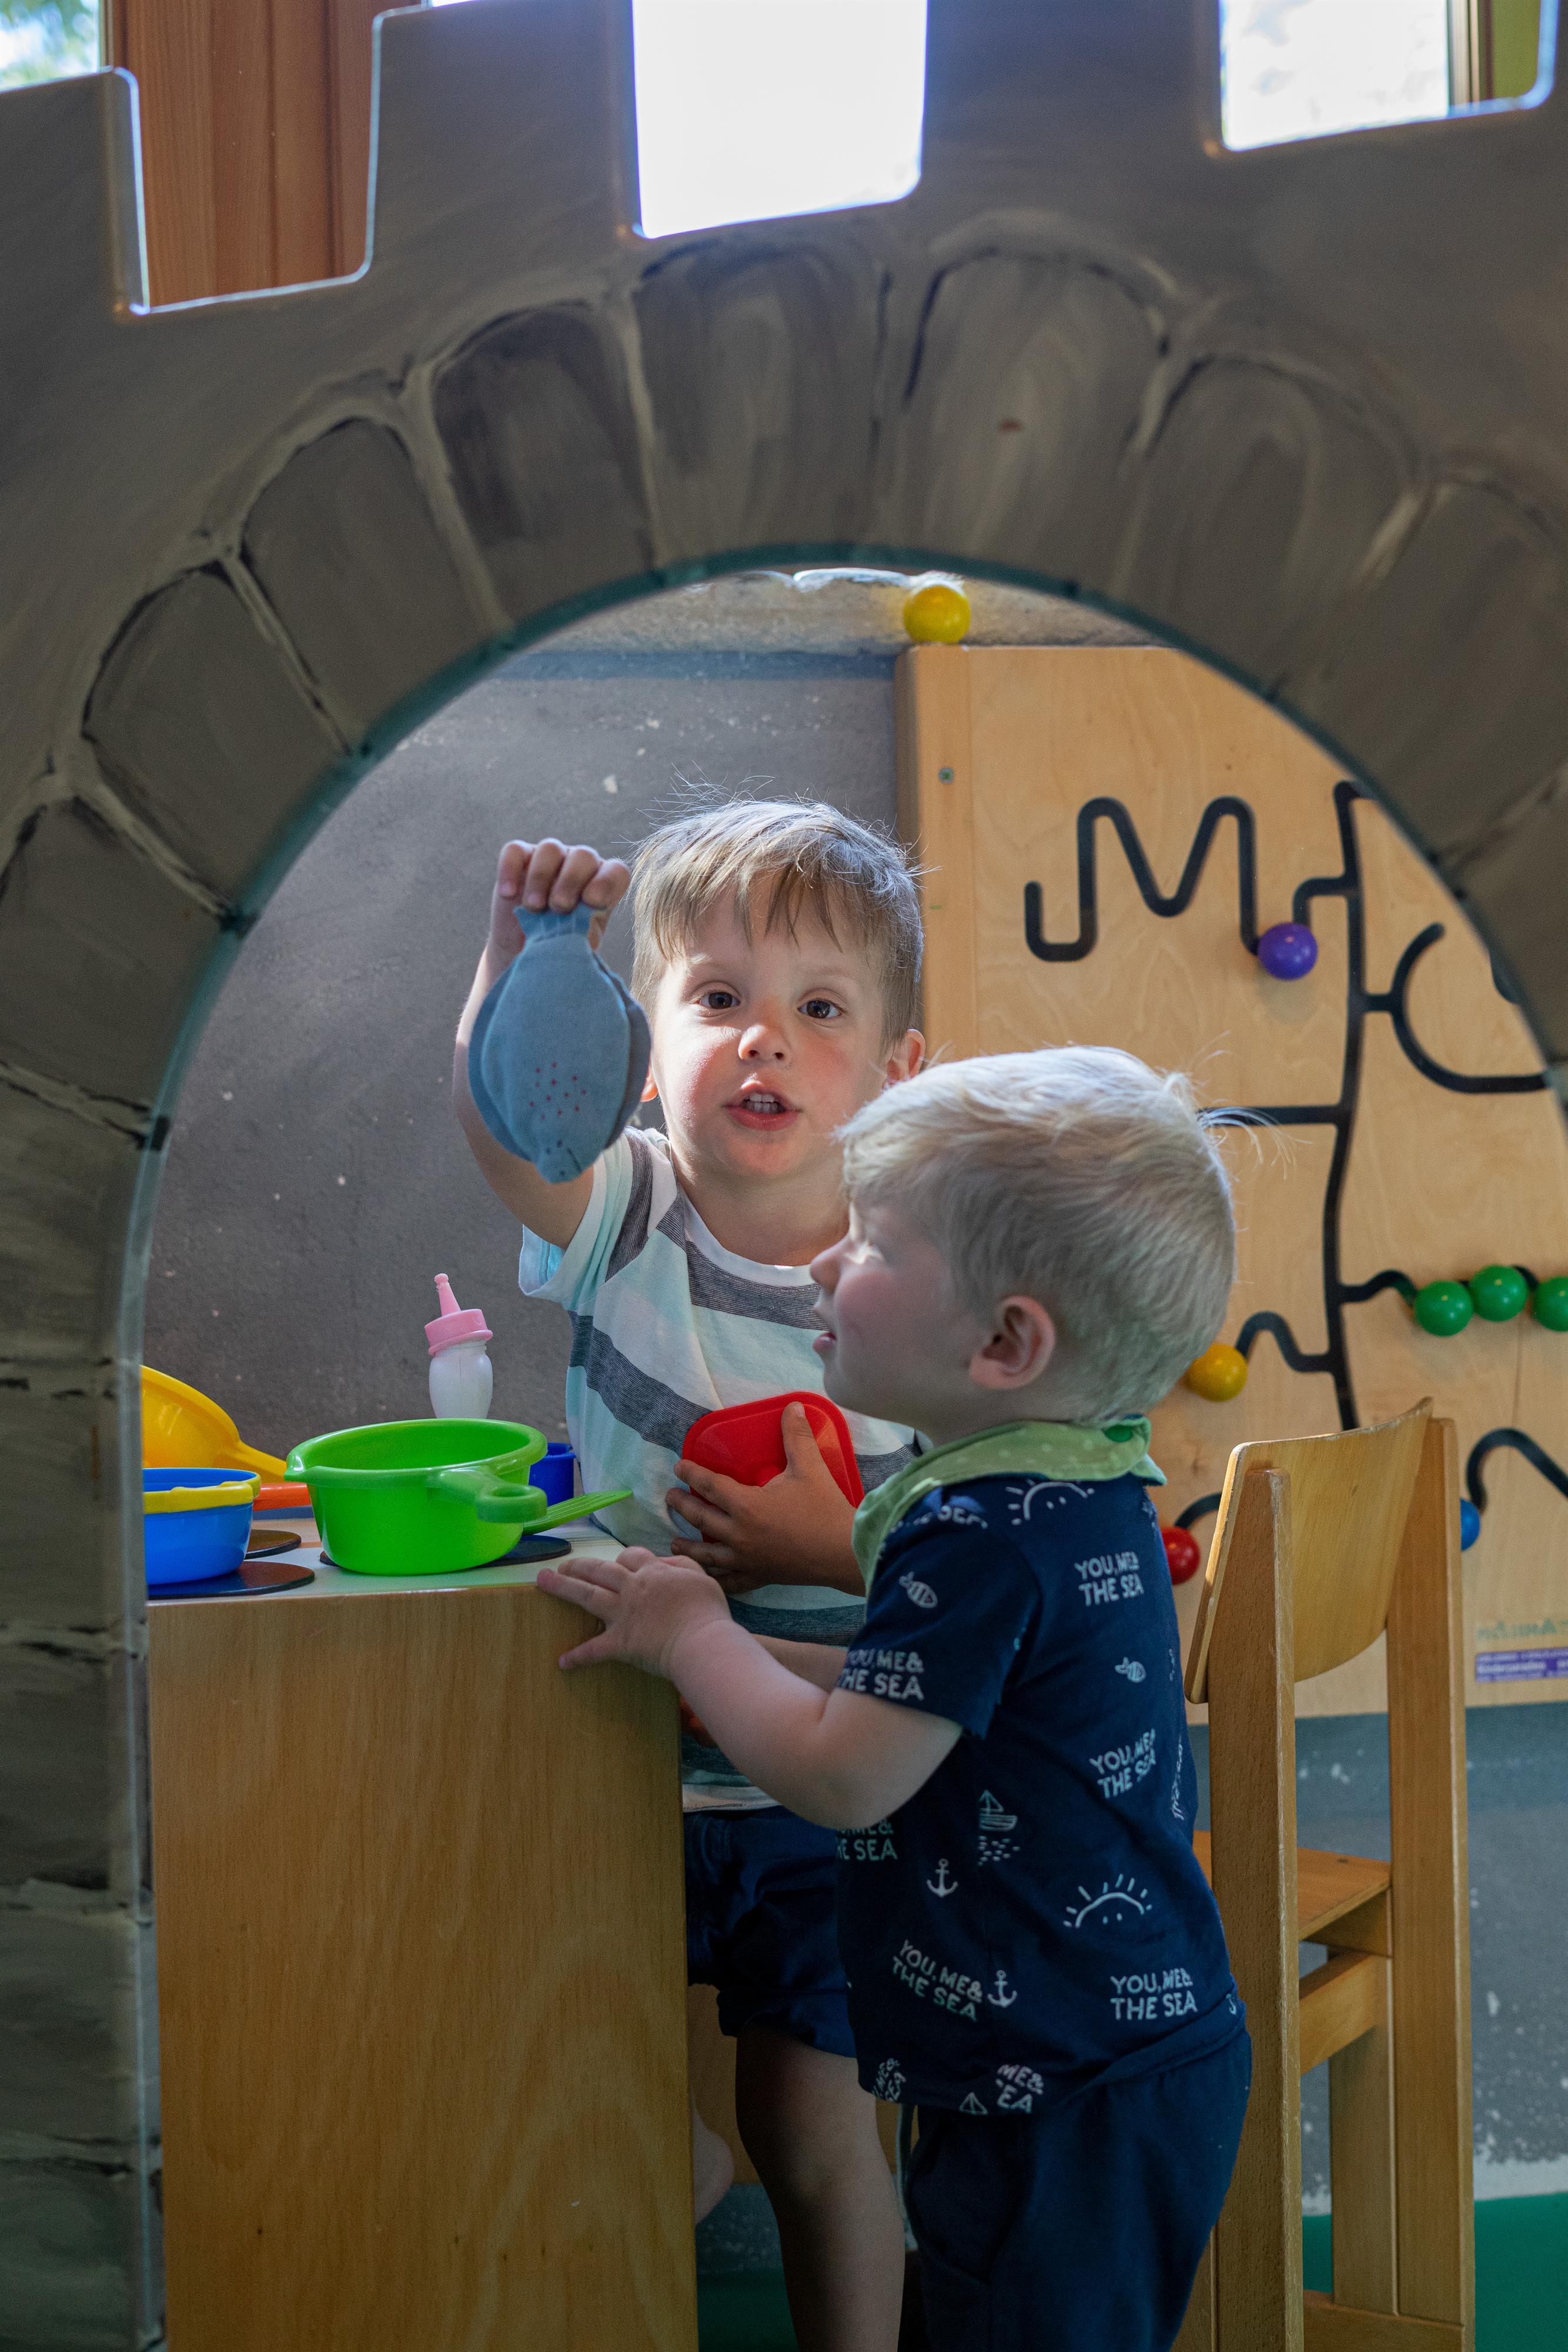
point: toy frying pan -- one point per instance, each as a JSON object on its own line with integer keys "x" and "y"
{"x": 745, "y": 1442}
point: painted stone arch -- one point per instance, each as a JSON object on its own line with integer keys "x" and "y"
{"x": 1302, "y": 410}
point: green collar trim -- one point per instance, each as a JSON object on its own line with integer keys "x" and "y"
{"x": 1040, "y": 1449}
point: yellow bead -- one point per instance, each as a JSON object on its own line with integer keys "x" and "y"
{"x": 937, "y": 615}
{"x": 1219, "y": 1374}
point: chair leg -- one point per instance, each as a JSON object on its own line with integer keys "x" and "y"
{"x": 1198, "y": 2331}
{"x": 1253, "y": 1782}
{"x": 1434, "y": 2151}
{"x": 1360, "y": 2166}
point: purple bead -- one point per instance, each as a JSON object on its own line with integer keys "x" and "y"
{"x": 1287, "y": 952}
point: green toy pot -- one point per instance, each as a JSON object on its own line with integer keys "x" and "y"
{"x": 429, "y": 1497}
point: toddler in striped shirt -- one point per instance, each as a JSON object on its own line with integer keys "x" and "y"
{"x": 778, "y": 959}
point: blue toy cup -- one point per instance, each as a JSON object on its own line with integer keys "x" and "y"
{"x": 187, "y": 1538}
{"x": 556, "y": 1476}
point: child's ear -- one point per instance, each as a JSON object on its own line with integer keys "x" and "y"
{"x": 907, "y": 1058}
{"x": 650, "y": 1091}
{"x": 1020, "y": 1345}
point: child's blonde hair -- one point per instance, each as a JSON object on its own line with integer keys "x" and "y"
{"x": 774, "y": 857}
{"x": 1078, "y": 1177}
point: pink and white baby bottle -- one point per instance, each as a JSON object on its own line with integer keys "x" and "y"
{"x": 460, "y": 1378}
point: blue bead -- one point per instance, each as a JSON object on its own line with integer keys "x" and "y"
{"x": 1287, "y": 951}
{"x": 1469, "y": 1525}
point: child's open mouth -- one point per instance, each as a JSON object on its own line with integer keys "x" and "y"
{"x": 763, "y": 1112}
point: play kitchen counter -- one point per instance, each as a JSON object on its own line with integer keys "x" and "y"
{"x": 422, "y": 1979}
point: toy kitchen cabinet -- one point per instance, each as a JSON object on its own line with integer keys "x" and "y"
{"x": 422, "y": 1976}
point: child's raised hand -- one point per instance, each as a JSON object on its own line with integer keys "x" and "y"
{"x": 794, "y": 1530}
{"x": 534, "y": 874}
{"x": 646, "y": 1605}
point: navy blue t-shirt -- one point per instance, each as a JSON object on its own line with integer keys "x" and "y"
{"x": 1034, "y": 1915}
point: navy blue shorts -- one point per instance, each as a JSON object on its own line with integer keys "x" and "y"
{"x": 762, "y": 1924}
{"x": 1080, "y": 2230}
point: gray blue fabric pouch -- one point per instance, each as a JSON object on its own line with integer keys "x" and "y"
{"x": 560, "y": 1052}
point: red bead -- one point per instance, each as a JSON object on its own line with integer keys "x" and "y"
{"x": 1182, "y": 1553}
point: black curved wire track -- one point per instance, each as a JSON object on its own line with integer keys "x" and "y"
{"x": 1537, "y": 1455}
{"x": 1340, "y": 1115}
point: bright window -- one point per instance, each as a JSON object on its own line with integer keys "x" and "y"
{"x": 1296, "y": 68}
{"x": 40, "y": 40}
{"x": 751, "y": 109}
{"x": 754, "y": 109}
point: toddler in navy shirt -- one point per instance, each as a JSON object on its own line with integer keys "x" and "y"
{"x": 1038, "y": 1245}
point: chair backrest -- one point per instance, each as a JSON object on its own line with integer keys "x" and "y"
{"x": 1350, "y": 1497}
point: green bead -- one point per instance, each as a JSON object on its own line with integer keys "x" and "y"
{"x": 1499, "y": 1293}
{"x": 1443, "y": 1308}
{"x": 1552, "y": 1303}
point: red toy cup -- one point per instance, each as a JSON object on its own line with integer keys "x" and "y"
{"x": 745, "y": 1442}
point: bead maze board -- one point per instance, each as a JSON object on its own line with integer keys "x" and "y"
{"x": 1111, "y": 835}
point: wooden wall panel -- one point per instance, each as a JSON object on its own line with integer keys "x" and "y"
{"x": 255, "y": 123}
{"x": 1000, "y": 751}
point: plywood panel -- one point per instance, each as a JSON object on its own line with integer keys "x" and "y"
{"x": 422, "y": 1980}
{"x": 255, "y": 138}
{"x": 1382, "y": 1163}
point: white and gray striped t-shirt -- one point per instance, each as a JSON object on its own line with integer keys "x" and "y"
{"x": 666, "y": 1324}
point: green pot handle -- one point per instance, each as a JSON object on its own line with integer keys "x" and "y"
{"x": 494, "y": 1499}
{"x": 578, "y": 1505}
{"x": 502, "y": 1499}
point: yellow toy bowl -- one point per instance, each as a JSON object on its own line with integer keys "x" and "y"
{"x": 182, "y": 1429}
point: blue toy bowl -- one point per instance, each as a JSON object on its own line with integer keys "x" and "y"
{"x": 557, "y": 1474}
{"x": 188, "y": 1540}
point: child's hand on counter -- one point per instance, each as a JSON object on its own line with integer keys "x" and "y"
{"x": 794, "y": 1530}
{"x": 648, "y": 1606}
{"x": 534, "y": 874}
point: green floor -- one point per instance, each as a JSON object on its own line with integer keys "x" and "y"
{"x": 1521, "y": 2284}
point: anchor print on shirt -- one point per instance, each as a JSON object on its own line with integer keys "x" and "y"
{"x": 944, "y": 1882}
{"x": 1025, "y": 1495}
{"x": 996, "y": 1845}
{"x": 1120, "y": 1901}
{"x": 1004, "y": 1995}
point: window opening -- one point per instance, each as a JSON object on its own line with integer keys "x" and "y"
{"x": 755, "y": 109}
{"x": 758, "y": 109}
{"x": 44, "y": 40}
{"x": 1304, "y": 69}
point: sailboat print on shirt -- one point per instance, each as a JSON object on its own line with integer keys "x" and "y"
{"x": 996, "y": 1845}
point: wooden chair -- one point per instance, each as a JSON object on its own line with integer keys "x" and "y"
{"x": 1321, "y": 1544}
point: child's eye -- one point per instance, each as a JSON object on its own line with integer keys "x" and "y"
{"x": 717, "y": 1000}
{"x": 821, "y": 1008}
